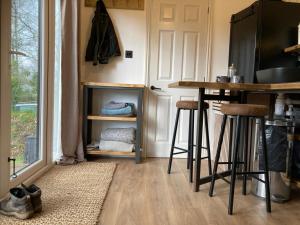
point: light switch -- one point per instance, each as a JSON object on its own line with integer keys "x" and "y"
{"x": 128, "y": 54}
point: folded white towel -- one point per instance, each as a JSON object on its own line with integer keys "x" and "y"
{"x": 116, "y": 146}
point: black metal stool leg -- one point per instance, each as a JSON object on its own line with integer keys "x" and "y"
{"x": 212, "y": 184}
{"x": 230, "y": 143}
{"x": 192, "y": 115}
{"x": 245, "y": 169}
{"x": 190, "y": 145}
{"x": 173, "y": 141}
{"x": 234, "y": 166}
{"x": 265, "y": 152}
{"x": 207, "y": 142}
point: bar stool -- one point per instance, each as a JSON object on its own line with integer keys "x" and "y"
{"x": 242, "y": 111}
{"x": 191, "y": 106}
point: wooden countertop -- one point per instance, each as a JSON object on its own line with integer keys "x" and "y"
{"x": 121, "y": 85}
{"x": 238, "y": 87}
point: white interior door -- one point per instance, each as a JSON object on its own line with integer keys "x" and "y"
{"x": 178, "y": 51}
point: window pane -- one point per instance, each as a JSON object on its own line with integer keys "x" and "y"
{"x": 25, "y": 82}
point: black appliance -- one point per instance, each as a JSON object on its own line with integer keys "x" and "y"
{"x": 260, "y": 33}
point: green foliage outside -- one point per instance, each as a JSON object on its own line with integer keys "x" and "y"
{"x": 24, "y": 84}
{"x": 23, "y": 123}
{"x": 25, "y": 36}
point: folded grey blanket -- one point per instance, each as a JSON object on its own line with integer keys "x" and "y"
{"x": 115, "y": 105}
{"x": 126, "y": 135}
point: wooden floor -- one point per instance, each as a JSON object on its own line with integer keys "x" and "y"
{"x": 145, "y": 194}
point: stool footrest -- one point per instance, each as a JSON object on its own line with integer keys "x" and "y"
{"x": 177, "y": 153}
{"x": 182, "y": 149}
{"x": 185, "y": 151}
{"x": 223, "y": 178}
{"x": 263, "y": 181}
{"x": 227, "y": 163}
{"x": 201, "y": 147}
{"x": 250, "y": 173}
{"x": 206, "y": 157}
{"x": 204, "y": 180}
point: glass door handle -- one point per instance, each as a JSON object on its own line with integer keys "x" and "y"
{"x": 153, "y": 88}
{"x": 14, "y": 175}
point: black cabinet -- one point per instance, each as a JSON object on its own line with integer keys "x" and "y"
{"x": 259, "y": 35}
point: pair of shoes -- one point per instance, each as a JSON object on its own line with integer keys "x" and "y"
{"x": 23, "y": 202}
{"x": 17, "y": 205}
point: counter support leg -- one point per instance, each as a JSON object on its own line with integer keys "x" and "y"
{"x": 200, "y": 114}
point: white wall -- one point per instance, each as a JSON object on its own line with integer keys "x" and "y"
{"x": 130, "y": 26}
{"x": 220, "y": 34}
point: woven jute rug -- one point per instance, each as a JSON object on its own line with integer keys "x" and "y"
{"x": 71, "y": 195}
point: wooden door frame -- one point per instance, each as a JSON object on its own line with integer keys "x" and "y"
{"x": 148, "y": 7}
{"x": 5, "y": 7}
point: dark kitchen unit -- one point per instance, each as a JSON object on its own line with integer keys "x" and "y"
{"x": 260, "y": 33}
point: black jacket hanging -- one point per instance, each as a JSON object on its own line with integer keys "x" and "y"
{"x": 103, "y": 42}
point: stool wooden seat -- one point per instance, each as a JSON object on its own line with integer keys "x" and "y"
{"x": 244, "y": 110}
{"x": 190, "y": 105}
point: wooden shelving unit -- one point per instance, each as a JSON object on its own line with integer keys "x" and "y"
{"x": 89, "y": 118}
{"x": 112, "y": 118}
{"x": 293, "y": 49}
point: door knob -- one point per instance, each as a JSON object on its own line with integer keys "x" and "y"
{"x": 153, "y": 88}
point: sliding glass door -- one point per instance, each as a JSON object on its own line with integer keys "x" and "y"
{"x": 24, "y": 89}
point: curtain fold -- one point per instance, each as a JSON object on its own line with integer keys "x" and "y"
{"x": 71, "y": 138}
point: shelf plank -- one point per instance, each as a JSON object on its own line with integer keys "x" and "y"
{"x": 110, "y": 153}
{"x": 121, "y": 85}
{"x": 293, "y": 49}
{"x": 112, "y": 118}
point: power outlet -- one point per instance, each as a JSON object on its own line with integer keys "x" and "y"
{"x": 128, "y": 54}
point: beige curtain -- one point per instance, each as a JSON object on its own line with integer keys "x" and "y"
{"x": 71, "y": 139}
